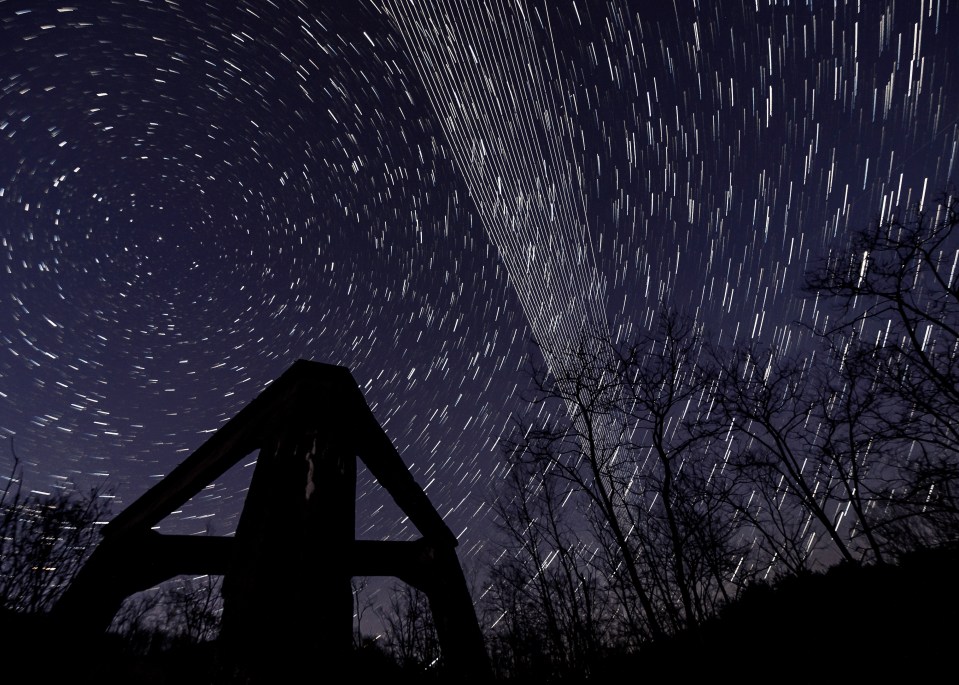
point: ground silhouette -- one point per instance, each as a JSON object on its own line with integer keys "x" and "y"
{"x": 878, "y": 623}
{"x": 888, "y": 623}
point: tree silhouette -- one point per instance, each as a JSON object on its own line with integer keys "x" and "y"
{"x": 618, "y": 429}
{"x": 44, "y": 540}
{"x": 548, "y": 607}
{"x": 410, "y": 633}
{"x": 895, "y": 324}
{"x": 790, "y": 480}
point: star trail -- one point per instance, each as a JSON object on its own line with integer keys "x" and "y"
{"x": 195, "y": 195}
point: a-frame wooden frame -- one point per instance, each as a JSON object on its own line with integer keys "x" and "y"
{"x": 287, "y": 570}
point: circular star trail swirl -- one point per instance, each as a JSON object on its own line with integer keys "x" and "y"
{"x": 195, "y": 195}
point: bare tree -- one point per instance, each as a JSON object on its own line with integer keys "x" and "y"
{"x": 193, "y": 607}
{"x": 549, "y": 605}
{"x": 44, "y": 540}
{"x": 576, "y": 437}
{"x": 362, "y": 604}
{"x": 619, "y": 425}
{"x": 895, "y": 315}
{"x": 181, "y": 612}
{"x": 686, "y": 531}
{"x": 786, "y": 448}
{"x": 410, "y": 634}
{"x": 138, "y": 622}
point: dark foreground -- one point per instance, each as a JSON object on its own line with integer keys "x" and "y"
{"x": 875, "y": 624}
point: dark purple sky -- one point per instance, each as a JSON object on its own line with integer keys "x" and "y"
{"x": 194, "y": 195}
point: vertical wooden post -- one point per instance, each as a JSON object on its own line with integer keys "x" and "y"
{"x": 455, "y": 619}
{"x": 332, "y": 523}
{"x": 268, "y": 589}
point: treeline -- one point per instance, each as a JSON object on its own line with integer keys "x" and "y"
{"x": 654, "y": 480}
{"x": 654, "y": 483}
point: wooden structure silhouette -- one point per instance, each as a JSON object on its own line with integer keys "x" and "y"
{"x": 286, "y": 573}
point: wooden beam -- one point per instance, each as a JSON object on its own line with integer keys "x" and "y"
{"x": 237, "y": 438}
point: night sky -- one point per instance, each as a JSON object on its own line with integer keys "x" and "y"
{"x": 193, "y": 195}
